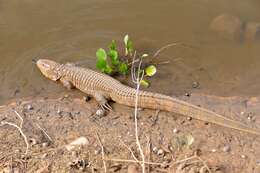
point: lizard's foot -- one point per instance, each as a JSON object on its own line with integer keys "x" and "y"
{"x": 102, "y": 100}
{"x": 106, "y": 106}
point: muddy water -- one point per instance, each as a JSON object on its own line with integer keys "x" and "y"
{"x": 74, "y": 30}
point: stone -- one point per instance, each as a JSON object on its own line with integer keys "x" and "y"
{"x": 227, "y": 26}
{"x": 77, "y": 142}
{"x": 252, "y": 32}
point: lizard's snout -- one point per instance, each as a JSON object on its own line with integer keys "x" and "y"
{"x": 48, "y": 68}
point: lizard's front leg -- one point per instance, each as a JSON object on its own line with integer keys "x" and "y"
{"x": 66, "y": 83}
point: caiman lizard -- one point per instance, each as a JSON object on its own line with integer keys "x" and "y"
{"x": 103, "y": 88}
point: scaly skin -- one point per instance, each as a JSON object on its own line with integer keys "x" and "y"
{"x": 104, "y": 88}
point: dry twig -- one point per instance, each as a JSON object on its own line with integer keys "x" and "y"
{"x": 165, "y": 47}
{"x": 44, "y": 132}
{"x": 131, "y": 151}
{"x": 137, "y": 81}
{"x": 102, "y": 152}
{"x": 19, "y": 128}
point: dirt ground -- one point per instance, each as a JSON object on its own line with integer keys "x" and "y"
{"x": 170, "y": 142}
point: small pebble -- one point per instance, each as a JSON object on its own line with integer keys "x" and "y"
{"x": 213, "y": 150}
{"x": 29, "y": 107}
{"x": 160, "y": 152}
{"x": 243, "y": 156}
{"x": 155, "y": 149}
{"x": 97, "y": 151}
{"x": 32, "y": 141}
{"x": 86, "y": 98}
{"x": 100, "y": 113}
{"x": 189, "y": 118}
{"x": 45, "y": 144}
{"x": 195, "y": 84}
{"x": 59, "y": 111}
{"x": 226, "y": 148}
{"x": 140, "y": 109}
{"x": 175, "y": 130}
{"x": 187, "y": 94}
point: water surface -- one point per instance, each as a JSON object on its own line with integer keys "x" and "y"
{"x": 74, "y": 30}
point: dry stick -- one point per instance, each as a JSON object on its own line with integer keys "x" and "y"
{"x": 102, "y": 152}
{"x": 165, "y": 47}
{"x": 204, "y": 164}
{"x": 131, "y": 151}
{"x": 153, "y": 163}
{"x": 134, "y": 161}
{"x": 148, "y": 152}
{"x": 138, "y": 79}
{"x": 21, "y": 124}
{"x": 19, "y": 128}
{"x": 156, "y": 53}
{"x": 44, "y": 132}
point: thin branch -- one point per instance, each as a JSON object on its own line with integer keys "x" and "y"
{"x": 165, "y": 47}
{"x": 102, "y": 152}
{"x": 138, "y": 79}
{"x": 134, "y": 161}
{"x": 44, "y": 132}
{"x": 20, "y": 130}
{"x": 21, "y": 123}
{"x": 131, "y": 151}
{"x": 154, "y": 163}
{"x": 205, "y": 165}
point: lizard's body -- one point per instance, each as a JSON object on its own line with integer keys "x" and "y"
{"x": 103, "y": 88}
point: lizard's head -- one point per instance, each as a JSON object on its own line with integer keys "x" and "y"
{"x": 49, "y": 68}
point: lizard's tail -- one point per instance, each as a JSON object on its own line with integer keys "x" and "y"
{"x": 199, "y": 113}
{"x": 163, "y": 102}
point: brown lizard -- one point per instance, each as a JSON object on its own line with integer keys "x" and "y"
{"x": 103, "y": 88}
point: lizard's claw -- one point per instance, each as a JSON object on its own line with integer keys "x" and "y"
{"x": 106, "y": 106}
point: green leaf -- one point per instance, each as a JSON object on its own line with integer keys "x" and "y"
{"x": 126, "y": 39}
{"x": 112, "y": 45}
{"x": 108, "y": 70}
{"x": 101, "y": 59}
{"x": 123, "y": 68}
{"x": 113, "y": 54}
{"x": 144, "y": 83}
{"x": 150, "y": 70}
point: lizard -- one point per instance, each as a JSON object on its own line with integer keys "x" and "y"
{"x": 104, "y": 88}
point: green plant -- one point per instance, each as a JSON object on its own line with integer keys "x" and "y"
{"x": 109, "y": 61}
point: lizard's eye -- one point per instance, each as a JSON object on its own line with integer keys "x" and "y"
{"x": 46, "y": 65}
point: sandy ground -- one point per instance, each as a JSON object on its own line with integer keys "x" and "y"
{"x": 170, "y": 142}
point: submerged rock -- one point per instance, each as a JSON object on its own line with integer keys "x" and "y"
{"x": 252, "y": 32}
{"x": 227, "y": 26}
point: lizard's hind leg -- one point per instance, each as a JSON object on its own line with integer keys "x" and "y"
{"x": 102, "y": 100}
